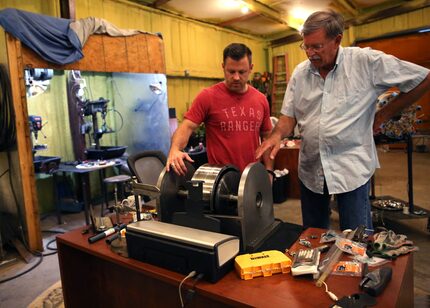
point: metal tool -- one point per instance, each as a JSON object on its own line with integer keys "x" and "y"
{"x": 242, "y": 204}
{"x": 35, "y": 123}
{"x": 333, "y": 256}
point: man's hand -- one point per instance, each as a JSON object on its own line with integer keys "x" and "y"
{"x": 175, "y": 159}
{"x": 378, "y": 123}
{"x": 272, "y": 145}
{"x": 284, "y": 127}
{"x": 175, "y": 162}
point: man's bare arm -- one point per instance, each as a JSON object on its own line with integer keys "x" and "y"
{"x": 175, "y": 159}
{"x": 267, "y": 162}
{"x": 403, "y": 101}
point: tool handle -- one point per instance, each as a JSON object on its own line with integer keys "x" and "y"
{"x": 334, "y": 256}
{"x": 104, "y": 234}
{"x": 375, "y": 282}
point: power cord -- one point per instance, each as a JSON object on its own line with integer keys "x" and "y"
{"x": 40, "y": 255}
{"x": 190, "y": 275}
{"x": 331, "y": 294}
{"x": 191, "y": 291}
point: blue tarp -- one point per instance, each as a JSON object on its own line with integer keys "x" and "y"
{"x": 49, "y": 37}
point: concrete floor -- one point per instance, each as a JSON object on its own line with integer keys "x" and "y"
{"x": 391, "y": 179}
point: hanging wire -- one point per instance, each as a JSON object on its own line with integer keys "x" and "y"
{"x": 7, "y": 114}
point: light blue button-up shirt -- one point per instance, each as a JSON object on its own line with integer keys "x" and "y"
{"x": 335, "y": 116}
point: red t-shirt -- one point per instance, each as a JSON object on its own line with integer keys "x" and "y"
{"x": 233, "y": 123}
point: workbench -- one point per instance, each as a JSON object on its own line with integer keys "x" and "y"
{"x": 93, "y": 276}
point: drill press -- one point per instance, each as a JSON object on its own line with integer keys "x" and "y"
{"x": 41, "y": 163}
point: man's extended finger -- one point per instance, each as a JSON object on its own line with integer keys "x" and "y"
{"x": 261, "y": 149}
{"x": 273, "y": 153}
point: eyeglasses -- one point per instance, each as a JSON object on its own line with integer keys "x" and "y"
{"x": 315, "y": 48}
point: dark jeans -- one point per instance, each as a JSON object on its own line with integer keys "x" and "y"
{"x": 354, "y": 208}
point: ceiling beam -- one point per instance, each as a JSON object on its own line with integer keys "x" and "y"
{"x": 238, "y": 19}
{"x": 262, "y": 9}
{"x": 345, "y": 4}
{"x": 159, "y": 3}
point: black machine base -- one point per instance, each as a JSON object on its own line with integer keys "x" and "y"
{"x": 185, "y": 258}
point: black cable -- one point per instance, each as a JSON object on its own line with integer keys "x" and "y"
{"x": 38, "y": 254}
{"x": 54, "y": 240}
{"x": 7, "y": 113}
{"x": 26, "y": 271}
{"x": 21, "y": 229}
{"x": 51, "y": 248}
{"x": 4, "y": 172}
{"x": 53, "y": 231}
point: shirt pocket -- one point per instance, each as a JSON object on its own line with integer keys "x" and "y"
{"x": 347, "y": 101}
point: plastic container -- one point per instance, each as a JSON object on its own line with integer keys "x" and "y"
{"x": 264, "y": 264}
{"x": 279, "y": 188}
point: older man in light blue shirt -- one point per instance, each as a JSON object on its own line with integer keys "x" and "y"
{"x": 332, "y": 98}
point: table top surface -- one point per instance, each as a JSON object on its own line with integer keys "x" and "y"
{"x": 72, "y": 167}
{"x": 281, "y": 290}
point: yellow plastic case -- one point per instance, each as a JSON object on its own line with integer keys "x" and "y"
{"x": 263, "y": 264}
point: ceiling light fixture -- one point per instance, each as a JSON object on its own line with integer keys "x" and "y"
{"x": 244, "y": 9}
{"x": 236, "y": 4}
{"x": 297, "y": 18}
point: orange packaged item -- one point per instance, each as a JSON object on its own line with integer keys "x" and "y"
{"x": 348, "y": 268}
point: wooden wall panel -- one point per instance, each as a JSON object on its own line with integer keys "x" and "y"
{"x": 93, "y": 57}
{"x": 115, "y": 54}
{"x": 137, "y": 56}
{"x": 110, "y": 54}
{"x": 156, "y": 63}
{"x": 413, "y": 47}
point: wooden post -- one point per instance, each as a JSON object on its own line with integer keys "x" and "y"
{"x": 28, "y": 183}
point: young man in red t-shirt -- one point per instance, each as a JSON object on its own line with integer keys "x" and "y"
{"x": 235, "y": 115}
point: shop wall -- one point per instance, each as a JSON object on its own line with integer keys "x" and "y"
{"x": 193, "y": 50}
{"x": 46, "y": 7}
{"x": 413, "y": 20}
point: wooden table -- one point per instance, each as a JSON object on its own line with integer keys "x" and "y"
{"x": 93, "y": 276}
{"x": 288, "y": 157}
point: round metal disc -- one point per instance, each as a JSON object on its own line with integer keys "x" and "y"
{"x": 211, "y": 175}
{"x": 255, "y": 203}
{"x": 227, "y": 187}
{"x": 169, "y": 184}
